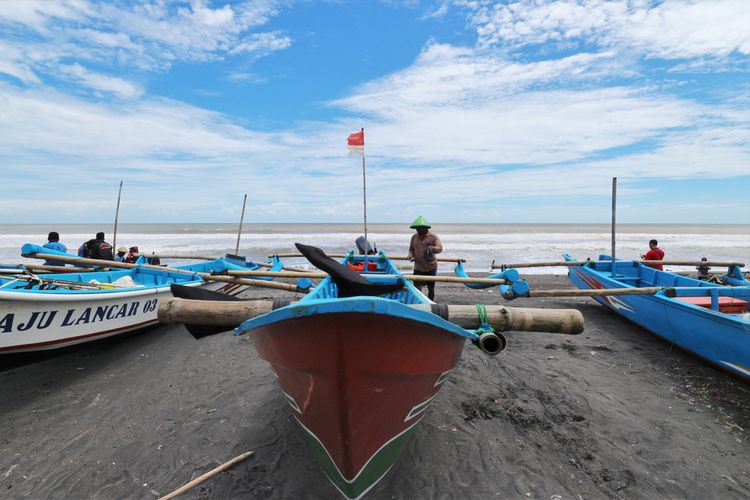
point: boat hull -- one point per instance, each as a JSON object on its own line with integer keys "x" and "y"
{"x": 722, "y": 339}
{"x": 31, "y": 322}
{"x": 358, "y": 383}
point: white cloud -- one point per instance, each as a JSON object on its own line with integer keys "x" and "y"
{"x": 668, "y": 29}
{"x": 99, "y": 82}
{"x": 46, "y": 38}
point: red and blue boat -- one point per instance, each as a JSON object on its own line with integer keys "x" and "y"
{"x": 357, "y": 365}
{"x": 707, "y": 319}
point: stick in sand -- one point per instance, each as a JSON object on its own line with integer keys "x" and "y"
{"x": 198, "y": 480}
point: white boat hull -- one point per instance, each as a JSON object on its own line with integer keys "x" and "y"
{"x": 31, "y": 322}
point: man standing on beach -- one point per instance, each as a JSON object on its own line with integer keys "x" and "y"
{"x": 422, "y": 249}
{"x": 655, "y": 253}
{"x": 53, "y": 243}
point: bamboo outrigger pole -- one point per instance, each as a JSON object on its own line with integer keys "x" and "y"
{"x": 205, "y": 276}
{"x": 232, "y": 314}
{"x": 573, "y": 263}
{"x": 342, "y": 255}
{"x": 410, "y": 277}
{"x": 117, "y": 214}
{"x": 239, "y": 231}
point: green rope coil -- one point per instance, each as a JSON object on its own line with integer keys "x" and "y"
{"x": 484, "y": 322}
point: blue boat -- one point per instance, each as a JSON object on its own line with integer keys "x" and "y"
{"x": 709, "y": 320}
{"x": 224, "y": 264}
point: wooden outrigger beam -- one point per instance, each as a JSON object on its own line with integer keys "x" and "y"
{"x": 233, "y": 313}
{"x": 205, "y": 276}
{"x": 41, "y": 269}
{"x": 373, "y": 257}
{"x": 410, "y": 277}
{"x": 584, "y": 262}
{"x": 595, "y": 292}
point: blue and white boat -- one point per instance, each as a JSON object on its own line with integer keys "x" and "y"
{"x": 224, "y": 264}
{"x": 56, "y": 310}
{"x": 706, "y": 319}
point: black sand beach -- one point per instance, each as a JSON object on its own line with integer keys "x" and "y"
{"x": 614, "y": 412}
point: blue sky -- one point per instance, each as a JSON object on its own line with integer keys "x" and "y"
{"x": 474, "y": 110}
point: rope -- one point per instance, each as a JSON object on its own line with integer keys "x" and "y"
{"x": 484, "y": 323}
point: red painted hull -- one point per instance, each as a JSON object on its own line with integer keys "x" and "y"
{"x": 358, "y": 380}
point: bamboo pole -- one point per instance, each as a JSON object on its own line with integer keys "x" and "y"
{"x": 175, "y": 256}
{"x": 117, "y": 214}
{"x": 35, "y": 268}
{"x": 391, "y": 257}
{"x": 239, "y": 231}
{"x": 198, "y": 480}
{"x": 614, "y": 224}
{"x": 205, "y": 276}
{"x": 584, "y": 262}
{"x": 233, "y": 313}
{"x": 410, "y": 277}
{"x": 595, "y": 292}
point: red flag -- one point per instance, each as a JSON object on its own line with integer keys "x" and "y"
{"x": 356, "y": 143}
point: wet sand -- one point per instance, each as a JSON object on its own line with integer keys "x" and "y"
{"x": 612, "y": 413}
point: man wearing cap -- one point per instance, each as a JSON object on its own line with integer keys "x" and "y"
{"x": 120, "y": 257}
{"x": 422, "y": 249}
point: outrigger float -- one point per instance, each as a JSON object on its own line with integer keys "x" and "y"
{"x": 360, "y": 358}
{"x": 708, "y": 319}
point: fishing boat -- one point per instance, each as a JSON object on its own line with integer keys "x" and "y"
{"x": 48, "y": 311}
{"x": 357, "y": 365}
{"x": 709, "y": 320}
{"x": 221, "y": 266}
{"x": 360, "y": 359}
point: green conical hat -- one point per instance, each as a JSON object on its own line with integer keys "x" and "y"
{"x": 420, "y": 222}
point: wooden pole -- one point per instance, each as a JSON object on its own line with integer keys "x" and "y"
{"x": 198, "y": 480}
{"x": 391, "y": 257}
{"x": 205, "y": 276}
{"x": 364, "y": 188}
{"x": 232, "y": 314}
{"x": 117, "y": 214}
{"x": 35, "y": 268}
{"x": 239, "y": 231}
{"x": 410, "y": 277}
{"x": 584, "y": 262}
{"x": 598, "y": 292}
{"x": 614, "y": 224}
{"x": 175, "y": 256}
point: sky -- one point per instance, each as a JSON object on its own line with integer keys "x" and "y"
{"x": 474, "y": 110}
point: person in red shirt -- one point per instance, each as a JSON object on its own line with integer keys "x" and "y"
{"x": 655, "y": 253}
{"x": 422, "y": 249}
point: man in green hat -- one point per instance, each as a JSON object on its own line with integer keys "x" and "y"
{"x": 422, "y": 249}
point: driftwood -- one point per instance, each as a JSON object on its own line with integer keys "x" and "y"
{"x": 233, "y": 313}
{"x": 205, "y": 276}
{"x": 373, "y": 257}
{"x": 198, "y": 480}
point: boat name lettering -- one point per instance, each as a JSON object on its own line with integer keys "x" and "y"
{"x": 40, "y": 320}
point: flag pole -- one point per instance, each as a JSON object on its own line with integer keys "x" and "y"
{"x": 614, "y": 223}
{"x": 239, "y": 231}
{"x": 117, "y": 214}
{"x": 364, "y": 190}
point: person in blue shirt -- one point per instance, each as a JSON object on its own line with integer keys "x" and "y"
{"x": 53, "y": 243}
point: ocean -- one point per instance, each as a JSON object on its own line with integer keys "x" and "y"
{"x": 479, "y": 244}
